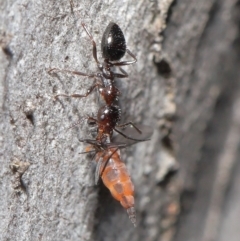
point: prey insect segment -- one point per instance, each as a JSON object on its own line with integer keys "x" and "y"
{"x": 114, "y": 175}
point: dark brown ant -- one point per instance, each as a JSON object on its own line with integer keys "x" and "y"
{"x": 113, "y": 48}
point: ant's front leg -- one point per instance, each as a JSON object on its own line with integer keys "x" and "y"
{"x": 89, "y": 91}
{"x": 72, "y": 72}
{"x": 130, "y": 124}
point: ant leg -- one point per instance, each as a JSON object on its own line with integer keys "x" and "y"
{"x": 92, "y": 119}
{"x": 130, "y": 124}
{"x": 128, "y": 137}
{"x": 132, "y": 55}
{"x": 123, "y": 75}
{"x": 72, "y": 72}
{"x": 87, "y": 152}
{"x": 89, "y": 35}
{"x": 93, "y": 43}
{"x": 71, "y": 5}
{"x": 78, "y": 122}
{"x": 127, "y": 62}
{"x": 89, "y": 91}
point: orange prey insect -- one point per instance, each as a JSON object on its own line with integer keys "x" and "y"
{"x": 115, "y": 177}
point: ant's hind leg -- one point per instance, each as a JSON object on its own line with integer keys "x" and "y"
{"x": 77, "y": 73}
{"x": 89, "y": 35}
{"x": 123, "y": 75}
{"x": 132, "y": 55}
{"x": 71, "y": 72}
{"x": 129, "y": 124}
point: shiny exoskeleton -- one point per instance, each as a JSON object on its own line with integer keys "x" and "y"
{"x": 113, "y": 43}
{"x": 107, "y": 121}
{"x": 113, "y": 49}
{"x": 107, "y": 118}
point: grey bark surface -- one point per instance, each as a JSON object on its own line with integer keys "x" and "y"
{"x": 187, "y": 63}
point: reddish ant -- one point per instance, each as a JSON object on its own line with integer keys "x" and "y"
{"x": 113, "y": 49}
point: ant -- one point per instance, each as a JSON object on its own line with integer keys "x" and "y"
{"x": 113, "y": 48}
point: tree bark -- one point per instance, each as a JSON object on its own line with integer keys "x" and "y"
{"x": 186, "y": 74}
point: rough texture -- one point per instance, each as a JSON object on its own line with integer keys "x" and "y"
{"x": 181, "y": 73}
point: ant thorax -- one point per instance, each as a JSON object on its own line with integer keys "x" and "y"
{"x": 106, "y": 70}
{"x": 109, "y": 92}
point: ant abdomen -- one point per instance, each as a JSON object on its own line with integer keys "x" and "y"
{"x": 113, "y": 43}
